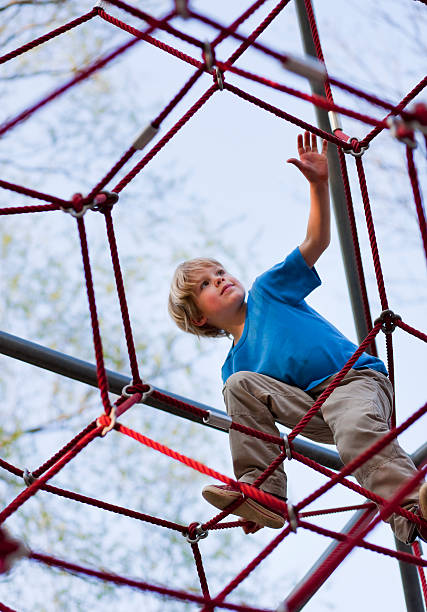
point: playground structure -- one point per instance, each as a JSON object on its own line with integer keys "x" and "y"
{"x": 403, "y": 123}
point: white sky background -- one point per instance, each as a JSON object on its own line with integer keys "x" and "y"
{"x": 233, "y": 156}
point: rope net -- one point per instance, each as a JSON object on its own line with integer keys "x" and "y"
{"x": 402, "y": 122}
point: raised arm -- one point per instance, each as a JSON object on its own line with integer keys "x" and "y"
{"x": 314, "y": 166}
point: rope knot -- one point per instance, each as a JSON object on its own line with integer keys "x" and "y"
{"x": 107, "y": 421}
{"x": 388, "y": 319}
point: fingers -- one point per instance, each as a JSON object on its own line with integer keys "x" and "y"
{"x": 300, "y": 146}
{"x": 324, "y": 147}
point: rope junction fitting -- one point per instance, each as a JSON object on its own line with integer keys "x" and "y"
{"x": 388, "y": 319}
{"x": 28, "y": 477}
{"x": 107, "y": 420}
{"x": 287, "y": 446}
{"x": 292, "y": 517}
{"x": 133, "y": 388}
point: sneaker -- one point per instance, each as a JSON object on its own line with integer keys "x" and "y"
{"x": 422, "y": 500}
{"x": 222, "y": 496}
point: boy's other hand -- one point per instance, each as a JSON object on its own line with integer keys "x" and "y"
{"x": 312, "y": 164}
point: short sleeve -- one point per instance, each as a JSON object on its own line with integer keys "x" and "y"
{"x": 290, "y": 281}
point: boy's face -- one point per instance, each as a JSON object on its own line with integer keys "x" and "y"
{"x": 218, "y": 296}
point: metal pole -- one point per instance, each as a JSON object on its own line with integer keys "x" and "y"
{"x": 85, "y": 372}
{"x": 337, "y": 190}
{"x": 409, "y": 574}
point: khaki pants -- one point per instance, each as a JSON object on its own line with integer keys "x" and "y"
{"x": 355, "y": 415}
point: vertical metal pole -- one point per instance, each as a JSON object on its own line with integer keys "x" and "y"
{"x": 337, "y": 190}
{"x": 409, "y": 574}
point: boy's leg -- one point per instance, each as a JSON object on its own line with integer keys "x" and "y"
{"x": 257, "y": 401}
{"x": 359, "y": 412}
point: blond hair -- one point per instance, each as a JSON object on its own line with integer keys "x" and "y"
{"x": 181, "y": 304}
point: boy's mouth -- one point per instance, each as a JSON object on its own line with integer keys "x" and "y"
{"x": 227, "y": 286}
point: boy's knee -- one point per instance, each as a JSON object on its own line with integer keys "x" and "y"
{"x": 240, "y": 383}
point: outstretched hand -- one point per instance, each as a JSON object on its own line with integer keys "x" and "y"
{"x": 312, "y": 164}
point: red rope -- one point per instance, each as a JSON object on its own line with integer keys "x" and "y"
{"x": 200, "y": 571}
{"x": 337, "y": 510}
{"x": 16, "y": 210}
{"x": 258, "y": 31}
{"x": 313, "y": 98}
{"x": 122, "y": 298}
{"x": 411, "y": 330}
{"x": 100, "y": 367}
{"x": 96, "y": 502}
{"x": 238, "y": 22}
{"x": 159, "y": 145}
{"x": 397, "y": 110}
{"x": 35, "y": 486}
{"x": 137, "y": 584}
{"x": 358, "y": 461}
{"x": 417, "y": 552}
{"x": 252, "y": 565}
{"x": 283, "y": 115}
{"x": 84, "y": 74}
{"x": 402, "y": 556}
{"x": 156, "y": 23}
{"x": 371, "y": 232}
{"x": 63, "y": 451}
{"x": 140, "y": 35}
{"x": 42, "y": 39}
{"x": 316, "y": 40}
{"x": 34, "y": 194}
{"x": 413, "y": 176}
{"x": 335, "y": 382}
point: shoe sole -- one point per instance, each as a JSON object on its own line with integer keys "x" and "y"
{"x": 249, "y": 509}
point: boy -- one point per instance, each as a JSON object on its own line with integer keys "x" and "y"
{"x": 284, "y": 354}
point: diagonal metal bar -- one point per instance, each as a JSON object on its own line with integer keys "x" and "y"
{"x": 85, "y": 372}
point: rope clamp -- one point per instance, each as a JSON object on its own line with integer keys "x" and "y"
{"x": 402, "y": 131}
{"x": 103, "y": 5}
{"x": 292, "y": 517}
{"x": 208, "y": 55}
{"x": 144, "y": 137}
{"x": 28, "y": 477}
{"x": 181, "y": 8}
{"x": 219, "y": 78}
{"x": 111, "y": 424}
{"x": 126, "y": 391}
{"x": 287, "y": 446}
{"x": 218, "y": 420}
{"x": 388, "y": 319}
{"x": 199, "y": 534}
{"x": 354, "y": 141}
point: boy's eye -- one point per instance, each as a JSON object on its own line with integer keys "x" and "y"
{"x": 221, "y": 272}
{"x": 204, "y": 283}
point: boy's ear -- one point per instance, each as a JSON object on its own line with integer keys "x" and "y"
{"x": 199, "y": 322}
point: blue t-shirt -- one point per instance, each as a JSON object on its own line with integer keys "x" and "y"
{"x": 285, "y": 338}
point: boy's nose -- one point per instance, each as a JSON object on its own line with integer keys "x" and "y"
{"x": 219, "y": 281}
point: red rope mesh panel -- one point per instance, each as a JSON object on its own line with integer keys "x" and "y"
{"x": 355, "y": 538}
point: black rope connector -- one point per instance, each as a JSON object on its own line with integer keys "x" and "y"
{"x": 388, "y": 319}
{"x": 104, "y": 200}
{"x": 28, "y": 477}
